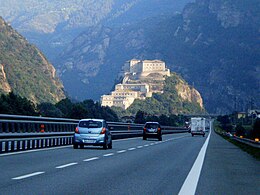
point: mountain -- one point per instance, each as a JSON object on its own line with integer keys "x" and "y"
{"x": 24, "y": 69}
{"x": 52, "y": 25}
{"x": 213, "y": 44}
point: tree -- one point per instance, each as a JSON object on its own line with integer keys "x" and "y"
{"x": 139, "y": 117}
{"x": 256, "y": 129}
{"x": 78, "y": 111}
{"x": 49, "y": 110}
{"x": 240, "y": 130}
{"x": 14, "y": 104}
{"x": 65, "y": 106}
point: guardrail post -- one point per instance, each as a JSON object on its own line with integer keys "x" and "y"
{"x": 37, "y": 143}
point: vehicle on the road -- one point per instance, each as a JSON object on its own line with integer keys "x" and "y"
{"x": 197, "y": 126}
{"x": 152, "y": 130}
{"x": 92, "y": 132}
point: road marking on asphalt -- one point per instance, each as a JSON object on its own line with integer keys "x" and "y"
{"x": 130, "y": 149}
{"x": 146, "y": 145}
{"x": 34, "y": 150}
{"x": 110, "y": 154}
{"x": 190, "y": 184}
{"x": 121, "y": 151}
{"x": 67, "y": 146}
{"x": 90, "y": 159}
{"x": 139, "y": 147}
{"x": 67, "y": 165}
{"x": 28, "y": 175}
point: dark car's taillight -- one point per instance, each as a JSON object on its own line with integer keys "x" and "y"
{"x": 144, "y": 129}
{"x": 77, "y": 130}
{"x": 159, "y": 129}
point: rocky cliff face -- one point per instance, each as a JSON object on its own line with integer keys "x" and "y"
{"x": 4, "y": 87}
{"x": 188, "y": 93}
{"x": 24, "y": 70}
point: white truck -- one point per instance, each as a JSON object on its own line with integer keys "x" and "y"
{"x": 198, "y": 126}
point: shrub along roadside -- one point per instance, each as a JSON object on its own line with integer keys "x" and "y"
{"x": 255, "y": 152}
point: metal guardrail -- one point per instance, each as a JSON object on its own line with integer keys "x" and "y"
{"x": 247, "y": 141}
{"x": 18, "y": 133}
{"x": 255, "y": 144}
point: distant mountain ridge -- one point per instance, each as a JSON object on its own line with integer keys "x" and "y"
{"x": 51, "y": 25}
{"x": 213, "y": 44}
{"x": 24, "y": 69}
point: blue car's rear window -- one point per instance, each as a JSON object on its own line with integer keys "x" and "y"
{"x": 90, "y": 124}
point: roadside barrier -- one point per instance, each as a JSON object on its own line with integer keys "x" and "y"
{"x": 19, "y": 133}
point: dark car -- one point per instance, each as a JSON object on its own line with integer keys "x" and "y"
{"x": 92, "y": 132}
{"x": 152, "y": 130}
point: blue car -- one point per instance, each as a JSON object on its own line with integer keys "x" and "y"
{"x": 92, "y": 132}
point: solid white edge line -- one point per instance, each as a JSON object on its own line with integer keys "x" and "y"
{"x": 90, "y": 159}
{"x": 67, "y": 165}
{"x": 190, "y": 184}
{"x": 28, "y": 175}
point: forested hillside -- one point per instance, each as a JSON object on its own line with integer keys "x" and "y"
{"x": 24, "y": 69}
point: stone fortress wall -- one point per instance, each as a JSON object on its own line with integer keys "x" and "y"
{"x": 138, "y": 82}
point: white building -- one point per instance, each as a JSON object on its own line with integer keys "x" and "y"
{"x": 131, "y": 89}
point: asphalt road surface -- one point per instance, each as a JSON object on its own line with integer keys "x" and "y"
{"x": 180, "y": 164}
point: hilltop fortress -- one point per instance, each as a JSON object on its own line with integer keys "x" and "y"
{"x": 140, "y": 79}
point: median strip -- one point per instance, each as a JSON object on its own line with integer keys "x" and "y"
{"x": 28, "y": 175}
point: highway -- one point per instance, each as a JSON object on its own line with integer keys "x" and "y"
{"x": 134, "y": 166}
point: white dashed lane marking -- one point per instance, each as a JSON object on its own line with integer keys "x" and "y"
{"x": 91, "y": 159}
{"x": 28, "y": 175}
{"x": 67, "y": 165}
{"x": 110, "y": 154}
{"x": 121, "y": 151}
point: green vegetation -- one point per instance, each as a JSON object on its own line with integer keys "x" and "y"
{"x": 25, "y": 69}
{"x": 167, "y": 103}
{"x": 14, "y": 104}
{"x": 223, "y": 125}
{"x": 247, "y": 126}
{"x": 172, "y": 120}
